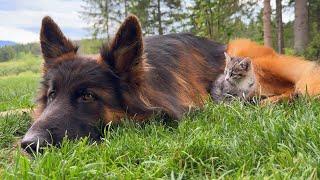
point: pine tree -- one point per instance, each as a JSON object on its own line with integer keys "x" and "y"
{"x": 217, "y": 19}
{"x": 103, "y": 14}
{"x": 267, "y": 23}
{"x": 280, "y": 40}
{"x": 164, "y": 13}
{"x": 156, "y": 16}
{"x": 301, "y": 26}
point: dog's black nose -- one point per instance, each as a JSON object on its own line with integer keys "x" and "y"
{"x": 33, "y": 143}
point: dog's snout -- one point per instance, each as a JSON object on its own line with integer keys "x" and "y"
{"x": 34, "y": 142}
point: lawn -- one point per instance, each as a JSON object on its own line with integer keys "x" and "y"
{"x": 17, "y": 91}
{"x": 25, "y": 63}
{"x": 18, "y": 81}
{"x": 219, "y": 141}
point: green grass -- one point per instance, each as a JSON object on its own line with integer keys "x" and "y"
{"x": 233, "y": 141}
{"x": 219, "y": 141}
{"x": 17, "y": 91}
{"x": 19, "y": 80}
{"x": 16, "y": 66}
{"x": 12, "y": 127}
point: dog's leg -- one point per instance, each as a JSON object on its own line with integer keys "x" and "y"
{"x": 287, "y": 96}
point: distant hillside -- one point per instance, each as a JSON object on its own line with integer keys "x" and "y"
{"x": 10, "y": 50}
{"x": 13, "y": 50}
{"x": 6, "y": 43}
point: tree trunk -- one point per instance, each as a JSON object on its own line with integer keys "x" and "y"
{"x": 160, "y": 30}
{"x": 107, "y": 18}
{"x": 210, "y": 22}
{"x": 280, "y": 40}
{"x": 267, "y": 23}
{"x": 301, "y": 29}
{"x": 126, "y": 8}
{"x": 318, "y": 17}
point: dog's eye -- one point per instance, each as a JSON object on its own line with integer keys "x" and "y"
{"x": 87, "y": 97}
{"x": 51, "y": 95}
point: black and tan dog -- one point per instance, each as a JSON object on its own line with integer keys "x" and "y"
{"x": 132, "y": 77}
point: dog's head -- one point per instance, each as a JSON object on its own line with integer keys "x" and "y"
{"x": 78, "y": 92}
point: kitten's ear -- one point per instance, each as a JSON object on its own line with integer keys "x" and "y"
{"x": 228, "y": 58}
{"x": 245, "y": 64}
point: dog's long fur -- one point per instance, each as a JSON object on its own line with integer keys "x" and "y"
{"x": 132, "y": 77}
{"x": 280, "y": 76}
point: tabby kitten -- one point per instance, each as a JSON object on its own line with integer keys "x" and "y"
{"x": 238, "y": 80}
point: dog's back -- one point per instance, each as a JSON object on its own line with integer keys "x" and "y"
{"x": 181, "y": 70}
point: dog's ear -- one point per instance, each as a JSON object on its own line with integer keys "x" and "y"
{"x": 53, "y": 42}
{"x": 124, "y": 55}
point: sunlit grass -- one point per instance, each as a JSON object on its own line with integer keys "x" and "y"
{"x": 17, "y": 91}
{"x": 25, "y": 63}
{"x": 229, "y": 140}
{"x": 234, "y": 141}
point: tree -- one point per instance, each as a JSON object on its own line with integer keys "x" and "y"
{"x": 314, "y": 13}
{"x": 267, "y": 23}
{"x": 126, "y": 7}
{"x": 102, "y": 14}
{"x": 318, "y": 15}
{"x": 164, "y": 13}
{"x": 301, "y": 26}
{"x": 156, "y": 16}
{"x": 159, "y": 14}
{"x": 6, "y": 53}
{"x": 141, "y": 9}
{"x": 313, "y": 49}
{"x": 217, "y": 19}
{"x": 280, "y": 40}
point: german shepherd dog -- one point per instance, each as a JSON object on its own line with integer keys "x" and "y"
{"x": 132, "y": 77}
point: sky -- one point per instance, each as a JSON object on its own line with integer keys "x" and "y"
{"x": 20, "y": 20}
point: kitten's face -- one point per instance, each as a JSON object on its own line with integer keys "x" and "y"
{"x": 237, "y": 68}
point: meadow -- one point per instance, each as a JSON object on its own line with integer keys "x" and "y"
{"x": 219, "y": 141}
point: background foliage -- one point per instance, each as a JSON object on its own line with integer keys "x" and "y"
{"x": 220, "y": 20}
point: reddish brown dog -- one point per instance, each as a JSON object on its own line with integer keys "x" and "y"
{"x": 132, "y": 77}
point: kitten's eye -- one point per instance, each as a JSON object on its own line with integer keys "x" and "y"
{"x": 87, "y": 97}
{"x": 244, "y": 66}
{"x": 51, "y": 95}
{"x": 236, "y": 75}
